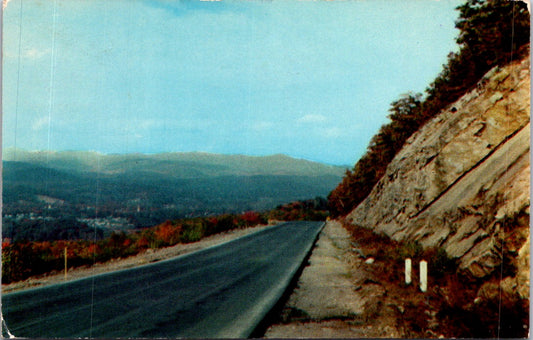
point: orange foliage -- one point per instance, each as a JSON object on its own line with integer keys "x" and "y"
{"x": 89, "y": 251}
{"x": 251, "y": 218}
{"x": 126, "y": 243}
{"x": 142, "y": 242}
{"x": 168, "y": 233}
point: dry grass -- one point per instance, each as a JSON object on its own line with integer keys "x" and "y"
{"x": 451, "y": 306}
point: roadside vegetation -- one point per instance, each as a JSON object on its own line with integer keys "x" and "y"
{"x": 451, "y": 306}
{"x": 30, "y": 255}
{"x": 491, "y": 33}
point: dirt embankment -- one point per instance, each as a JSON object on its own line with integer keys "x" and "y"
{"x": 149, "y": 256}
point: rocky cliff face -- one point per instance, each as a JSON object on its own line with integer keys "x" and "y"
{"x": 462, "y": 182}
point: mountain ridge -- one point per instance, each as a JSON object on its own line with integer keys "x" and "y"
{"x": 148, "y": 189}
{"x": 203, "y": 164}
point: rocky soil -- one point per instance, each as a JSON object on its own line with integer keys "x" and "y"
{"x": 149, "y": 256}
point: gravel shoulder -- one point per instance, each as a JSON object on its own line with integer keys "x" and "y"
{"x": 337, "y": 295}
{"x": 148, "y": 256}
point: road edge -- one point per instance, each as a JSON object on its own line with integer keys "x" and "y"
{"x": 266, "y": 311}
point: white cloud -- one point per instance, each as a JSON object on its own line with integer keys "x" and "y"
{"x": 343, "y": 130}
{"x": 140, "y": 127}
{"x": 39, "y": 123}
{"x": 146, "y": 124}
{"x": 35, "y": 53}
{"x": 262, "y": 125}
{"x": 333, "y": 132}
{"x": 312, "y": 119}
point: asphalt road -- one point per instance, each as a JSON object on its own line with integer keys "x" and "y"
{"x": 223, "y": 291}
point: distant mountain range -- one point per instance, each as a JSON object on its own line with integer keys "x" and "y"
{"x": 177, "y": 165}
{"x": 180, "y": 183}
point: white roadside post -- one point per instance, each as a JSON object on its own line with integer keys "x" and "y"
{"x": 423, "y": 276}
{"x": 407, "y": 271}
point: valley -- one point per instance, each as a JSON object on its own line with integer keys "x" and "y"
{"x": 121, "y": 192}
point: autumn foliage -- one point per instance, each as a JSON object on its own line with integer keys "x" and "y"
{"x": 22, "y": 259}
{"x": 308, "y": 210}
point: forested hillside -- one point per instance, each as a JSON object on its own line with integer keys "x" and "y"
{"x": 491, "y": 33}
{"x": 126, "y": 191}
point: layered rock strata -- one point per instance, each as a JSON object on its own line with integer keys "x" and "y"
{"x": 462, "y": 181}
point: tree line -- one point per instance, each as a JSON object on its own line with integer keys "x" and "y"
{"x": 43, "y": 251}
{"x": 491, "y": 33}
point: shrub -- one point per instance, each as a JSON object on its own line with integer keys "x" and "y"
{"x": 452, "y": 294}
{"x": 192, "y": 232}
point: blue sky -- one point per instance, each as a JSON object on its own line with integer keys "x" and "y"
{"x": 310, "y": 79}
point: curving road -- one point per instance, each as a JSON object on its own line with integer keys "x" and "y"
{"x": 223, "y": 291}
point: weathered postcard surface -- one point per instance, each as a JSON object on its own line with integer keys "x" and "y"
{"x": 212, "y": 169}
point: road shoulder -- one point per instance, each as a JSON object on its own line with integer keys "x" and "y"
{"x": 336, "y": 296}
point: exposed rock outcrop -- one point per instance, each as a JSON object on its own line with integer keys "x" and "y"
{"x": 462, "y": 181}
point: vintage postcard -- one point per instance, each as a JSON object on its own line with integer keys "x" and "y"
{"x": 276, "y": 169}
